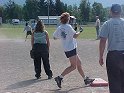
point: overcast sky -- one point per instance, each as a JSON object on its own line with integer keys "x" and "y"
{"x": 105, "y": 3}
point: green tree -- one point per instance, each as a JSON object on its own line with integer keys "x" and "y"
{"x": 70, "y": 9}
{"x": 84, "y": 10}
{"x": 12, "y": 10}
{"x": 1, "y": 11}
{"x": 105, "y": 14}
{"x": 31, "y": 9}
{"x": 66, "y": 7}
{"x": 97, "y": 10}
{"x": 59, "y": 7}
{"x": 74, "y": 11}
{"x": 42, "y": 8}
{"x": 52, "y": 9}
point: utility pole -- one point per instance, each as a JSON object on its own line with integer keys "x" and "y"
{"x": 48, "y": 3}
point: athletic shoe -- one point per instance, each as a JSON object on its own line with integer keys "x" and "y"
{"x": 88, "y": 81}
{"x": 58, "y": 81}
{"x": 50, "y": 77}
{"x": 38, "y": 77}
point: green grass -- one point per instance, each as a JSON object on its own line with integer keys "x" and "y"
{"x": 16, "y": 31}
{"x": 89, "y": 33}
{"x": 12, "y": 31}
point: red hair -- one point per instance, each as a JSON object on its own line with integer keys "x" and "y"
{"x": 64, "y": 18}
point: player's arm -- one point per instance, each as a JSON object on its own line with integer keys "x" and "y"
{"x": 78, "y": 33}
{"x": 32, "y": 40}
{"x": 56, "y": 34}
{"x": 47, "y": 38}
{"x": 102, "y": 45}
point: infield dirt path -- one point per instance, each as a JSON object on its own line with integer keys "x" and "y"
{"x": 17, "y": 71}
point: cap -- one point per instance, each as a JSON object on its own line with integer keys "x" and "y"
{"x": 116, "y": 8}
{"x": 97, "y": 16}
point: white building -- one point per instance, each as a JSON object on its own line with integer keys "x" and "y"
{"x": 54, "y": 20}
{"x": 0, "y": 20}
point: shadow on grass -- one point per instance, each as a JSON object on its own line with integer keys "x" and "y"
{"x": 22, "y": 84}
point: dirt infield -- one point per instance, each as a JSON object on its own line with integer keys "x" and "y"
{"x": 17, "y": 71}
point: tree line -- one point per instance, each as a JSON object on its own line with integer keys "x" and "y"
{"x": 85, "y": 12}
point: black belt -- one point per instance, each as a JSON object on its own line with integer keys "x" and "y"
{"x": 116, "y": 51}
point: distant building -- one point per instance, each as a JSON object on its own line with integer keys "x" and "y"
{"x": 0, "y": 20}
{"x": 54, "y": 20}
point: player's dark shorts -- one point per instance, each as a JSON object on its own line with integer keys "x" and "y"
{"x": 71, "y": 53}
{"x": 29, "y": 33}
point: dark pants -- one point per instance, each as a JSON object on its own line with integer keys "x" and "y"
{"x": 115, "y": 71}
{"x": 41, "y": 52}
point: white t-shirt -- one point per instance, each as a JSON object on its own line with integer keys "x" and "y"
{"x": 65, "y": 32}
{"x": 97, "y": 22}
{"x": 27, "y": 28}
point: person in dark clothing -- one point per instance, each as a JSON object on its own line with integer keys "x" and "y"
{"x": 40, "y": 45}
